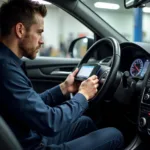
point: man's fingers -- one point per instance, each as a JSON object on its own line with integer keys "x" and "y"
{"x": 75, "y": 71}
{"x": 93, "y": 77}
{"x": 96, "y": 85}
{"x": 96, "y": 81}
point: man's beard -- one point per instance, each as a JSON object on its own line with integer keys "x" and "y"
{"x": 29, "y": 52}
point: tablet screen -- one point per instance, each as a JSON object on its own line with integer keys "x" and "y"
{"x": 85, "y": 71}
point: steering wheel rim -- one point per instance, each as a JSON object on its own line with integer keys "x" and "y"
{"x": 114, "y": 67}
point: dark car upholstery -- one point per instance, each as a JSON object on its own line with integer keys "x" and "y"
{"x": 7, "y": 139}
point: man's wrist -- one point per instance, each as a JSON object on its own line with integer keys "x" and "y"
{"x": 64, "y": 88}
{"x": 85, "y": 95}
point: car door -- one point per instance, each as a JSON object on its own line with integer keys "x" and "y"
{"x": 47, "y": 72}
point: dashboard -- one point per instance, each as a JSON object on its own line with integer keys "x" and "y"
{"x": 135, "y": 58}
{"x": 134, "y": 88}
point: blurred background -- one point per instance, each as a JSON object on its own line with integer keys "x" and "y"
{"x": 60, "y": 28}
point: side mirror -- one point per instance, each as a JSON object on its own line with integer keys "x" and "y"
{"x": 79, "y": 46}
{"x": 135, "y": 3}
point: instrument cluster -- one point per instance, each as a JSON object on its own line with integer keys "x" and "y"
{"x": 139, "y": 67}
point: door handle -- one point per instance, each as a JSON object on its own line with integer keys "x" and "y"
{"x": 60, "y": 73}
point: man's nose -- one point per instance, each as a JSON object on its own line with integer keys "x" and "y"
{"x": 41, "y": 42}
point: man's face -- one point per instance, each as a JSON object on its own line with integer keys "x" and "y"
{"x": 32, "y": 39}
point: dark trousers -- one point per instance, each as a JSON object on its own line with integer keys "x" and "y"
{"x": 83, "y": 135}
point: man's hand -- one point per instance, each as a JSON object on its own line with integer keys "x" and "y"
{"x": 69, "y": 85}
{"x": 89, "y": 87}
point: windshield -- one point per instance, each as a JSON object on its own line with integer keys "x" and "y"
{"x": 133, "y": 24}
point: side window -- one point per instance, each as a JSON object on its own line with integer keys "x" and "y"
{"x": 60, "y": 29}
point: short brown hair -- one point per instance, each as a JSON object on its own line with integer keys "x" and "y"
{"x": 15, "y": 11}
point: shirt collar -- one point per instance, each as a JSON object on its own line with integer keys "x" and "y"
{"x": 8, "y": 53}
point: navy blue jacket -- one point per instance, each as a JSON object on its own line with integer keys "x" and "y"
{"x": 29, "y": 114}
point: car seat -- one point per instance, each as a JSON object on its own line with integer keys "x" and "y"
{"x": 8, "y": 140}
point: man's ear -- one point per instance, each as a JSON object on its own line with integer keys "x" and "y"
{"x": 20, "y": 30}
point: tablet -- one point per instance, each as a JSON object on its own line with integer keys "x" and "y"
{"x": 87, "y": 70}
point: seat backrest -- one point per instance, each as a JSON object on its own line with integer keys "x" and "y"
{"x": 8, "y": 140}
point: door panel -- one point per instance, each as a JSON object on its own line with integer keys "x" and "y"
{"x": 47, "y": 72}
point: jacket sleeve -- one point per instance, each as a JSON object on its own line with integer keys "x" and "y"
{"x": 53, "y": 96}
{"x": 27, "y": 105}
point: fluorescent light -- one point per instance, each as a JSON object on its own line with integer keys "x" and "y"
{"x": 106, "y": 5}
{"x": 43, "y": 2}
{"x": 146, "y": 9}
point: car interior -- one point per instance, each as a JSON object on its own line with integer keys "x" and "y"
{"x": 123, "y": 98}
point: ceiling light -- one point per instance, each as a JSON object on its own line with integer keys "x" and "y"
{"x": 106, "y": 5}
{"x": 43, "y": 2}
{"x": 146, "y": 9}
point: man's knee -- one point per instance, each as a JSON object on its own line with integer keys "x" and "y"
{"x": 115, "y": 132}
{"x": 115, "y": 136}
{"x": 105, "y": 139}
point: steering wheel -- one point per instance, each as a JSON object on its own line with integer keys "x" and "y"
{"x": 107, "y": 73}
